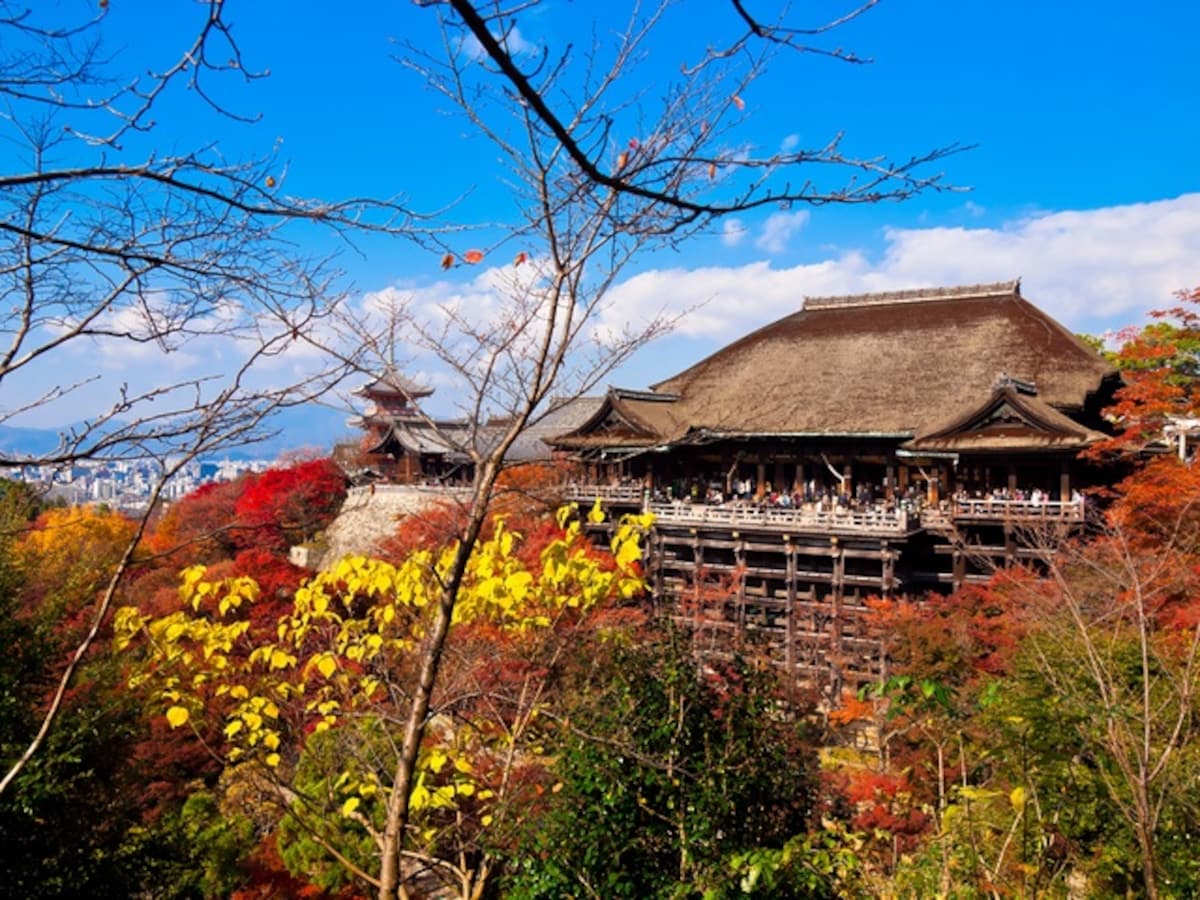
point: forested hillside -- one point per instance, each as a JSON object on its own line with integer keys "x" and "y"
{"x": 235, "y": 732}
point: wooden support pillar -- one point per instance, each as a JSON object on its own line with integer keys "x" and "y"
{"x": 739, "y": 561}
{"x": 798, "y": 484}
{"x": 1010, "y": 545}
{"x": 1012, "y": 479}
{"x": 889, "y": 568}
{"x": 656, "y": 565}
{"x": 789, "y": 647}
{"x": 777, "y": 480}
{"x": 1064, "y": 482}
{"x": 959, "y": 570}
{"x": 889, "y": 488}
{"x": 837, "y": 597}
{"x": 903, "y": 486}
{"x": 847, "y": 481}
{"x": 760, "y": 479}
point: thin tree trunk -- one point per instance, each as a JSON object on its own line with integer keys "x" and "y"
{"x": 431, "y": 658}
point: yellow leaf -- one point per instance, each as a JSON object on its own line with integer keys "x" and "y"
{"x": 233, "y": 728}
{"x": 176, "y": 716}
{"x": 272, "y": 759}
{"x": 350, "y": 806}
{"x": 596, "y": 514}
{"x": 1017, "y": 798}
{"x": 486, "y": 820}
{"x": 437, "y": 760}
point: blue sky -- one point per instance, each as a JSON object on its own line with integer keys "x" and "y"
{"x": 1084, "y": 181}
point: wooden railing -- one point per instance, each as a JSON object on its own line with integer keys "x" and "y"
{"x": 874, "y": 520}
{"x": 991, "y": 509}
{"x": 629, "y": 494}
{"x": 732, "y": 515}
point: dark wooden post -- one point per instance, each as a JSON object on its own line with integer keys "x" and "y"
{"x": 837, "y": 598}
{"x": 889, "y": 568}
{"x": 789, "y": 649}
{"x": 739, "y": 565}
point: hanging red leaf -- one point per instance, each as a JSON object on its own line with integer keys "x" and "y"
{"x": 739, "y": 102}
{"x": 712, "y": 171}
{"x": 448, "y": 261}
{"x": 473, "y": 256}
{"x": 521, "y": 257}
{"x": 622, "y": 158}
{"x": 634, "y": 144}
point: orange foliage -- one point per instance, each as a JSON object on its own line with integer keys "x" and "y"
{"x": 953, "y": 640}
{"x": 851, "y": 709}
{"x": 67, "y": 559}
{"x": 199, "y": 525}
{"x": 268, "y": 879}
{"x": 1159, "y": 369}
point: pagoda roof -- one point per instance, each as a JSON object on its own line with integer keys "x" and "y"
{"x": 893, "y": 364}
{"x": 392, "y": 383}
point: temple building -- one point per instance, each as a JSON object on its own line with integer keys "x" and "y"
{"x": 401, "y": 444}
{"x": 870, "y": 444}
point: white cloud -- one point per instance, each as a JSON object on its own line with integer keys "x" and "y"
{"x": 1095, "y": 270}
{"x": 1091, "y": 269}
{"x": 779, "y": 229}
{"x": 732, "y": 232}
{"x": 512, "y": 40}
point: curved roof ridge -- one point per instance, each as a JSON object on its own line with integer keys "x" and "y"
{"x": 918, "y": 295}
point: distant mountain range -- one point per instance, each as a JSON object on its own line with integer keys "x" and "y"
{"x": 296, "y": 428}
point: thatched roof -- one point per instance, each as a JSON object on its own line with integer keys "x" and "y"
{"x": 891, "y": 364}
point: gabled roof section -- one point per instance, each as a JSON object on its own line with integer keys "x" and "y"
{"x": 446, "y": 439}
{"x": 890, "y": 363}
{"x": 1013, "y": 418}
{"x": 625, "y": 418}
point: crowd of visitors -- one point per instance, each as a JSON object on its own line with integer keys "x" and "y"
{"x": 817, "y": 496}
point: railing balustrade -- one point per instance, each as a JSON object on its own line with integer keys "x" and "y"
{"x": 873, "y": 521}
{"x": 870, "y": 519}
{"x": 613, "y": 493}
{"x": 991, "y": 508}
